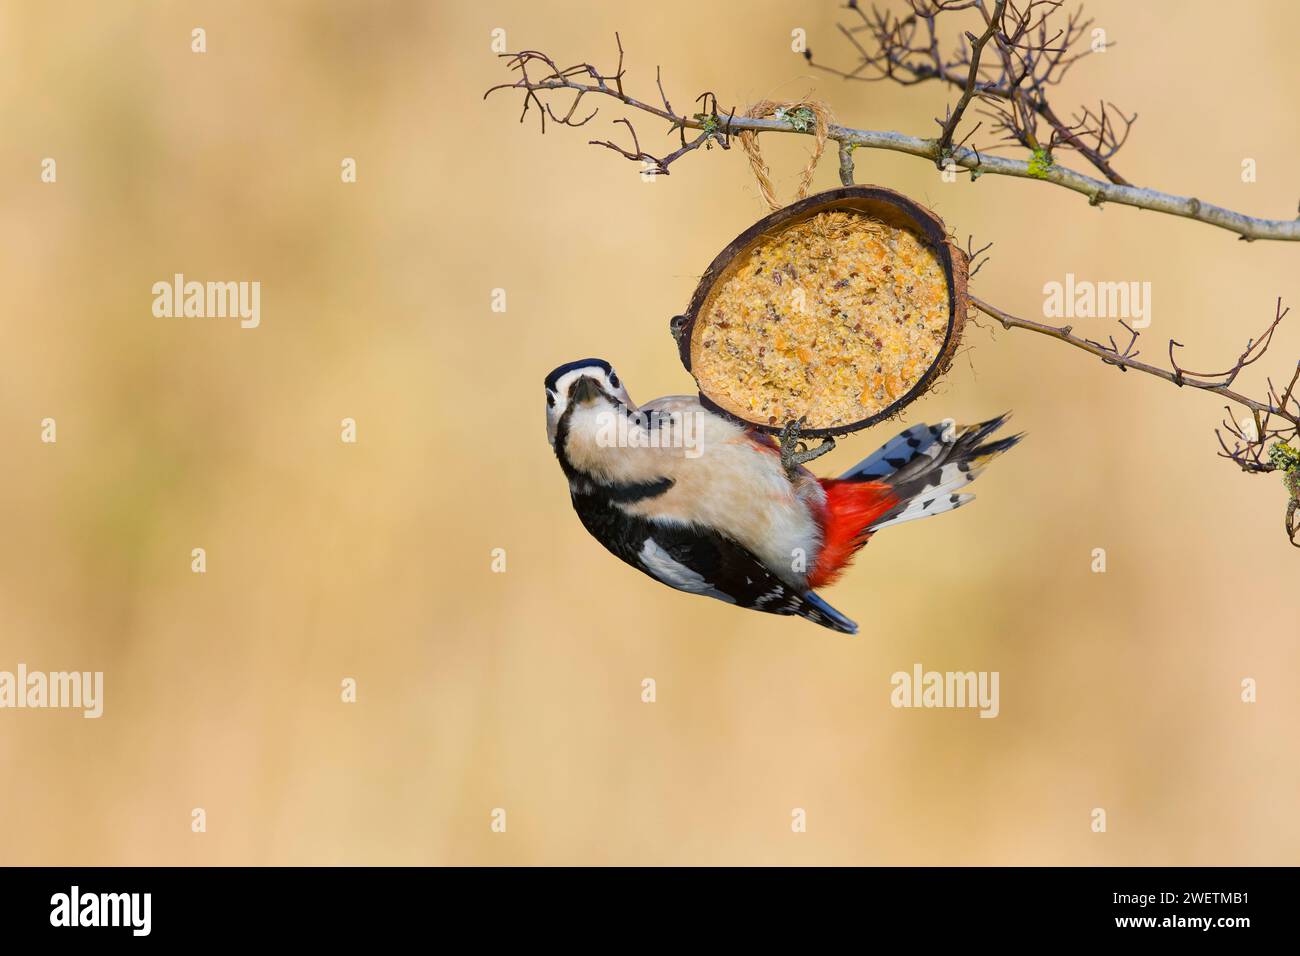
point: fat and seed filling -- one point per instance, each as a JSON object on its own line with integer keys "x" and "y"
{"x": 834, "y": 318}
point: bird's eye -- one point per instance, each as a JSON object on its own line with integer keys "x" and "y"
{"x": 550, "y": 399}
{"x": 613, "y": 379}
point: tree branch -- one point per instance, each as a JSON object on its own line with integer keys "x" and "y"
{"x": 717, "y": 126}
{"x": 972, "y": 76}
{"x": 1273, "y": 421}
{"x": 1125, "y": 358}
{"x": 1031, "y": 60}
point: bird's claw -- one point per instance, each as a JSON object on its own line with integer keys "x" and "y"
{"x": 794, "y": 449}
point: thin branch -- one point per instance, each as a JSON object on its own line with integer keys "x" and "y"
{"x": 974, "y": 262}
{"x": 1255, "y": 349}
{"x": 846, "y": 164}
{"x": 1268, "y": 440}
{"x": 1031, "y": 57}
{"x": 1126, "y": 360}
{"x": 1273, "y": 422}
{"x": 719, "y": 125}
{"x": 972, "y": 76}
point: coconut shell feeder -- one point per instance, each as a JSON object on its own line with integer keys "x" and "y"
{"x": 840, "y": 309}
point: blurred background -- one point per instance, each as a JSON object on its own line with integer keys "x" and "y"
{"x": 522, "y": 690}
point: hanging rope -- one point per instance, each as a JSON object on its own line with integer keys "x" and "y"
{"x": 749, "y": 141}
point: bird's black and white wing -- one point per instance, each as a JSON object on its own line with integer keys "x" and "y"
{"x": 701, "y": 561}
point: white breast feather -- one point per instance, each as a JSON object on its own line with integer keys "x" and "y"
{"x": 735, "y": 487}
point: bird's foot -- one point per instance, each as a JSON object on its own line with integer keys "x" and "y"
{"x": 794, "y": 449}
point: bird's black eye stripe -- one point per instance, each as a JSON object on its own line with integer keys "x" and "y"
{"x": 550, "y": 399}
{"x": 613, "y": 379}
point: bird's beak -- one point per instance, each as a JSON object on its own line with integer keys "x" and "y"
{"x": 584, "y": 390}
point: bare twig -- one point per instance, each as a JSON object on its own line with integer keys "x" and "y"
{"x": 977, "y": 45}
{"x": 584, "y": 79}
{"x": 1273, "y": 419}
{"x": 846, "y": 164}
{"x": 1031, "y": 57}
{"x": 1125, "y": 358}
{"x": 973, "y": 254}
{"x": 540, "y": 75}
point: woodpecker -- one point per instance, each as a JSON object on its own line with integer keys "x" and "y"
{"x": 703, "y": 504}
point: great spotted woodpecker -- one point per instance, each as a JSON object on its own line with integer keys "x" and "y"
{"x": 705, "y": 505}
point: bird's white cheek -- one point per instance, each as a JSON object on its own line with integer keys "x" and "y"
{"x": 552, "y": 423}
{"x": 593, "y": 440}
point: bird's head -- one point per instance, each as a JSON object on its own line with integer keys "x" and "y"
{"x": 579, "y": 389}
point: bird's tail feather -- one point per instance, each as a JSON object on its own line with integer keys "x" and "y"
{"x": 815, "y": 609}
{"x": 926, "y": 465}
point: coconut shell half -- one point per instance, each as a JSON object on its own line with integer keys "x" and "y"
{"x": 844, "y": 375}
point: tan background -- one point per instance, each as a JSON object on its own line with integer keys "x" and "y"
{"x": 522, "y": 690}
